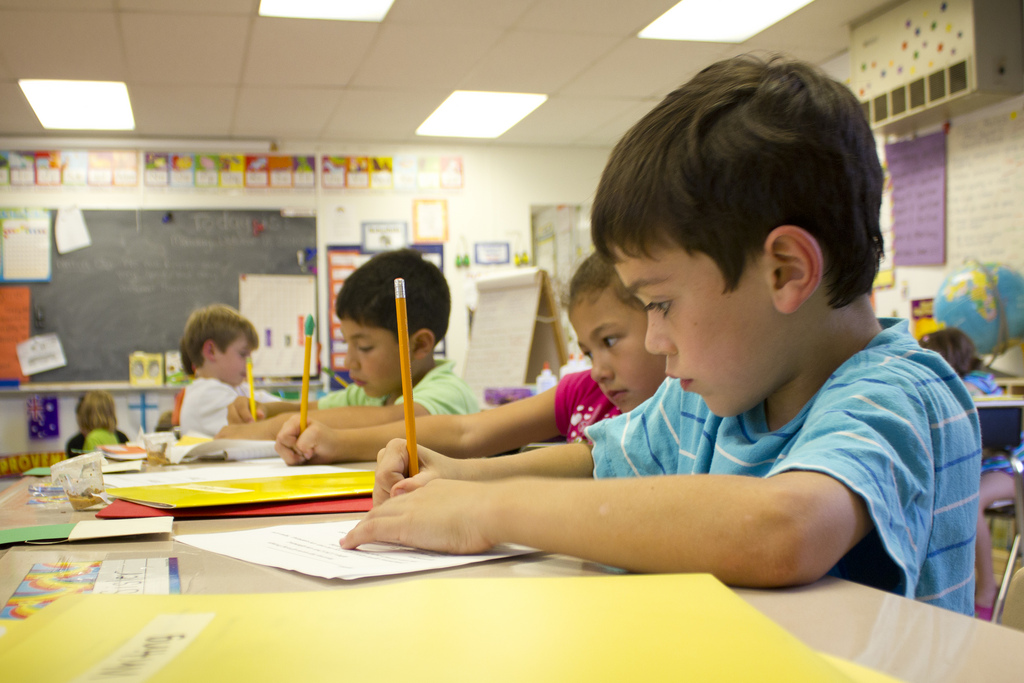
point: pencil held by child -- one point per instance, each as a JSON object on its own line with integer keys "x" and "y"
{"x": 406, "y": 361}
{"x": 304, "y": 406}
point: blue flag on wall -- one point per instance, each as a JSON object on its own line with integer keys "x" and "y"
{"x": 43, "y": 418}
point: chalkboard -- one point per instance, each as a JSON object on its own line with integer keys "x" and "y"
{"x": 133, "y": 289}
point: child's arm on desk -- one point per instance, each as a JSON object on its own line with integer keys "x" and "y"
{"x": 785, "y": 530}
{"x": 475, "y": 435}
{"x": 239, "y": 413}
{"x": 570, "y": 460}
{"x": 347, "y": 417}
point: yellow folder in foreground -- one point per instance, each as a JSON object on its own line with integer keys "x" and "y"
{"x": 260, "y": 490}
{"x": 682, "y": 627}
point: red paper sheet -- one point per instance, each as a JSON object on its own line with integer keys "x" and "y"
{"x": 120, "y": 509}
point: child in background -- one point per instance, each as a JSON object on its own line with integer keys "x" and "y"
{"x": 97, "y": 424}
{"x": 366, "y": 308}
{"x": 996, "y": 484}
{"x": 802, "y": 436}
{"x": 610, "y": 325}
{"x": 217, "y": 342}
{"x": 956, "y": 347}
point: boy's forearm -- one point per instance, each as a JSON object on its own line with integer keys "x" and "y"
{"x": 736, "y": 528}
{"x": 275, "y": 408}
{"x": 354, "y": 417}
{"x": 568, "y": 461}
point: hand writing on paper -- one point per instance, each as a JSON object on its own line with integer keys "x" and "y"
{"x": 392, "y": 474}
{"x": 443, "y": 515}
{"x": 317, "y": 444}
{"x": 239, "y": 413}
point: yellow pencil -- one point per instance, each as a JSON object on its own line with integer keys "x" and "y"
{"x": 340, "y": 380}
{"x": 406, "y": 363}
{"x": 252, "y": 391}
{"x": 304, "y": 406}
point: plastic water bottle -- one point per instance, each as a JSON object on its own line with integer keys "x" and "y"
{"x": 546, "y": 379}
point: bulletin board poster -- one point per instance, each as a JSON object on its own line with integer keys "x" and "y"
{"x": 341, "y": 262}
{"x": 918, "y": 170}
{"x": 14, "y": 329}
{"x": 25, "y": 245}
{"x": 157, "y": 173}
{"x": 278, "y": 305}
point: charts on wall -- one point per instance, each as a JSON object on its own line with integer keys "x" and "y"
{"x": 278, "y": 305}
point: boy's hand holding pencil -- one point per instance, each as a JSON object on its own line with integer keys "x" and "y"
{"x": 298, "y": 446}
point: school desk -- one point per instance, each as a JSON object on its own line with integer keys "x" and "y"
{"x": 904, "y": 638}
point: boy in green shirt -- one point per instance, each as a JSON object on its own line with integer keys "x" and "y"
{"x": 366, "y": 307}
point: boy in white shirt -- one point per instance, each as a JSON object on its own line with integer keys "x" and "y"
{"x": 217, "y": 342}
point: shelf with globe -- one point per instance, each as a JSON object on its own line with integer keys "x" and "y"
{"x": 986, "y": 301}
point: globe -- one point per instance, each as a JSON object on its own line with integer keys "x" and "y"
{"x": 986, "y": 301}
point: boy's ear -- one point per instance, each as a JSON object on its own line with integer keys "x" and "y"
{"x": 208, "y": 349}
{"x": 422, "y": 343}
{"x": 796, "y": 265}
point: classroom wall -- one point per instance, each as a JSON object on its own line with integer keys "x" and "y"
{"x": 501, "y": 184}
{"x": 922, "y": 282}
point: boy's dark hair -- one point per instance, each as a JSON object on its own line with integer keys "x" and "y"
{"x": 219, "y": 322}
{"x": 368, "y": 295}
{"x": 593, "y": 276}
{"x": 748, "y": 145}
{"x": 956, "y": 347}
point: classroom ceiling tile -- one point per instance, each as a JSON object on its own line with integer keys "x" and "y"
{"x": 199, "y": 110}
{"x": 613, "y": 17}
{"x": 458, "y": 12}
{"x": 191, "y": 6}
{"x": 535, "y": 61}
{"x": 303, "y": 52}
{"x": 76, "y": 5}
{"x": 382, "y": 115}
{"x": 406, "y": 57}
{"x": 611, "y": 132}
{"x": 15, "y": 112}
{"x": 565, "y": 119}
{"x": 644, "y": 68}
{"x": 298, "y": 113}
{"x": 184, "y": 49}
{"x": 68, "y": 45}
{"x": 813, "y": 33}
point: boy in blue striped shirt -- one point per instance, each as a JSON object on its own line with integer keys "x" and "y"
{"x": 743, "y": 212}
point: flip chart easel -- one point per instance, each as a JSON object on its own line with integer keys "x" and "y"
{"x": 516, "y": 329}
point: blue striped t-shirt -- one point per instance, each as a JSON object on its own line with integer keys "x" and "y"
{"x": 894, "y": 424}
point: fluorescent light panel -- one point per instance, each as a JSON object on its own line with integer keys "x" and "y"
{"x": 720, "y": 21}
{"x": 477, "y": 114}
{"x": 339, "y": 10}
{"x": 80, "y": 105}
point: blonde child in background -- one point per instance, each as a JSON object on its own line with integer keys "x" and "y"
{"x": 215, "y": 346}
{"x": 996, "y": 484}
{"x": 97, "y": 424}
{"x": 610, "y": 325}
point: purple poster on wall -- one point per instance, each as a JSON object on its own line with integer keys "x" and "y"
{"x": 918, "y": 171}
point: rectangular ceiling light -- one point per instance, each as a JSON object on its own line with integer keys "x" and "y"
{"x": 339, "y": 10}
{"x": 80, "y": 105}
{"x": 720, "y": 21}
{"x": 476, "y": 114}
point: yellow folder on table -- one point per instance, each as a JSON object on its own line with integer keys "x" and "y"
{"x": 676, "y": 627}
{"x": 259, "y": 490}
